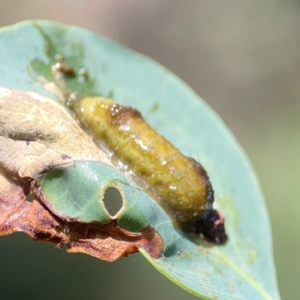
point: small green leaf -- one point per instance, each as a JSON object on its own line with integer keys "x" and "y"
{"x": 243, "y": 268}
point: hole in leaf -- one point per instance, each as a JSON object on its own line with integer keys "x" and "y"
{"x": 113, "y": 201}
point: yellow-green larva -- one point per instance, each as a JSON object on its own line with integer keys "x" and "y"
{"x": 180, "y": 183}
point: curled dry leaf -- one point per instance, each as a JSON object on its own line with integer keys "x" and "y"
{"x": 112, "y": 241}
{"x": 32, "y": 218}
{"x": 36, "y": 135}
{"x": 105, "y": 242}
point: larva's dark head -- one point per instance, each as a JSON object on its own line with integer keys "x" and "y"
{"x": 210, "y": 226}
{"x": 201, "y": 218}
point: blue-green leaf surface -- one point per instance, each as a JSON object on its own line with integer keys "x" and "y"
{"x": 243, "y": 268}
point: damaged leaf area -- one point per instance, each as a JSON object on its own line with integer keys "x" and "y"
{"x": 105, "y": 242}
{"x": 45, "y": 154}
{"x": 38, "y": 135}
{"x": 32, "y": 218}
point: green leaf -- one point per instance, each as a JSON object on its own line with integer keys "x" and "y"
{"x": 243, "y": 268}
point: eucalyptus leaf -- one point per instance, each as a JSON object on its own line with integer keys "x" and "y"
{"x": 241, "y": 269}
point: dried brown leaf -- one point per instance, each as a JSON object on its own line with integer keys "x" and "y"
{"x": 36, "y": 133}
{"x": 111, "y": 242}
{"x": 106, "y": 242}
{"x": 17, "y": 214}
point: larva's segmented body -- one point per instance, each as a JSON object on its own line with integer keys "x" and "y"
{"x": 180, "y": 182}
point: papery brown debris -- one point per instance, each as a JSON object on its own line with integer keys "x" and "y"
{"x": 106, "y": 242}
{"x": 111, "y": 242}
{"x": 17, "y": 214}
{"x": 37, "y": 133}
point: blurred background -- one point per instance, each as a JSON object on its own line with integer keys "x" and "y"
{"x": 243, "y": 58}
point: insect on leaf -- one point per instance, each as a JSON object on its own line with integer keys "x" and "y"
{"x": 68, "y": 63}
